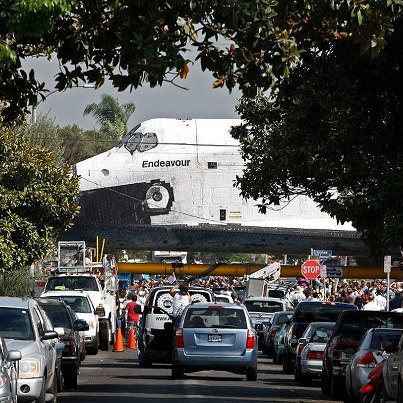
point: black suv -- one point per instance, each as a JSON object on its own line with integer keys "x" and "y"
{"x": 155, "y": 334}
{"x": 305, "y": 313}
{"x": 62, "y": 316}
{"x": 350, "y": 327}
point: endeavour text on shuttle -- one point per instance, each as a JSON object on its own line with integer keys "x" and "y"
{"x": 169, "y": 163}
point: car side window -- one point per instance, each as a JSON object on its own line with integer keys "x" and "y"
{"x": 38, "y": 322}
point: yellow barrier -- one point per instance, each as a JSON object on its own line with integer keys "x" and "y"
{"x": 246, "y": 269}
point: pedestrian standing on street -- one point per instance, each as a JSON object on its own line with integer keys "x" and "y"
{"x": 132, "y": 318}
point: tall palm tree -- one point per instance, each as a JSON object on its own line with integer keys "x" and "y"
{"x": 111, "y": 116}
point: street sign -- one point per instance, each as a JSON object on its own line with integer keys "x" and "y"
{"x": 323, "y": 271}
{"x": 310, "y": 269}
{"x": 387, "y": 264}
{"x": 334, "y": 271}
{"x": 321, "y": 252}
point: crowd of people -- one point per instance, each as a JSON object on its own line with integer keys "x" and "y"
{"x": 365, "y": 294}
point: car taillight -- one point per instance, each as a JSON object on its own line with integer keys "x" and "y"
{"x": 314, "y": 355}
{"x": 367, "y": 360}
{"x": 300, "y": 347}
{"x": 179, "y": 341}
{"x": 250, "y": 341}
{"x": 368, "y": 388}
{"x": 274, "y": 332}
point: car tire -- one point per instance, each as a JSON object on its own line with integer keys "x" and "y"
{"x": 251, "y": 374}
{"x": 42, "y": 397}
{"x": 280, "y": 359}
{"x": 336, "y": 389}
{"x": 297, "y": 374}
{"x": 70, "y": 380}
{"x": 275, "y": 358}
{"x": 287, "y": 364}
{"x": 53, "y": 390}
{"x": 143, "y": 360}
{"x": 325, "y": 385}
{"x": 265, "y": 350}
{"x": 177, "y": 371}
{"x": 60, "y": 382}
{"x": 93, "y": 350}
{"x": 82, "y": 355}
{"x": 104, "y": 337}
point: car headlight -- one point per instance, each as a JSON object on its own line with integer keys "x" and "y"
{"x": 3, "y": 380}
{"x": 30, "y": 368}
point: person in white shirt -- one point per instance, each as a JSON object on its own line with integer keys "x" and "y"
{"x": 371, "y": 305}
{"x": 380, "y": 300}
{"x": 180, "y": 299}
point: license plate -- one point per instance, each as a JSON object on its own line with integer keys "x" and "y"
{"x": 214, "y": 337}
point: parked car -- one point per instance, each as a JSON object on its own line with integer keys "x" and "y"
{"x": 81, "y": 304}
{"x": 215, "y": 337}
{"x": 273, "y": 327}
{"x": 261, "y": 310}
{"x": 350, "y": 327}
{"x": 305, "y": 313}
{"x": 72, "y": 336}
{"x": 278, "y": 344}
{"x": 368, "y": 355}
{"x": 309, "y": 358}
{"x": 391, "y": 387}
{"x": 155, "y": 333}
{"x": 8, "y": 373}
{"x": 25, "y": 327}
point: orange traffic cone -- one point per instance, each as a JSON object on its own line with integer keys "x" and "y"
{"x": 118, "y": 341}
{"x": 132, "y": 339}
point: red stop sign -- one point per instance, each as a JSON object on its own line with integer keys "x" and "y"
{"x": 310, "y": 269}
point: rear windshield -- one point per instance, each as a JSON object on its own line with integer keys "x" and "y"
{"x": 58, "y": 315}
{"x": 15, "y": 323}
{"x": 276, "y": 293}
{"x": 353, "y": 327}
{"x": 380, "y": 337}
{"x": 312, "y": 312}
{"x": 71, "y": 283}
{"x": 264, "y": 306}
{"x": 215, "y": 317}
{"x": 77, "y": 304}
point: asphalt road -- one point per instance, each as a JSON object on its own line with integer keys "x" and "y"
{"x": 116, "y": 377}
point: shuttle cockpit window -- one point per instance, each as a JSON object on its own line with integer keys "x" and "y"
{"x": 138, "y": 141}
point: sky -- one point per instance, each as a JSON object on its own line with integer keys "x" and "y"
{"x": 168, "y": 101}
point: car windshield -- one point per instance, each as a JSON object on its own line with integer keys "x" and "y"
{"x": 264, "y": 306}
{"x": 77, "y": 304}
{"x": 319, "y": 333}
{"x": 71, "y": 283}
{"x": 15, "y": 323}
{"x": 58, "y": 315}
{"x": 215, "y": 317}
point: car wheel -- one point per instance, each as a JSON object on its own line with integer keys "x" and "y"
{"x": 251, "y": 374}
{"x": 53, "y": 390}
{"x": 60, "y": 382}
{"x": 336, "y": 389}
{"x": 399, "y": 391}
{"x": 280, "y": 358}
{"x": 104, "y": 336}
{"x": 275, "y": 358}
{"x": 297, "y": 374}
{"x": 325, "y": 384}
{"x": 265, "y": 350}
{"x": 70, "y": 380}
{"x": 42, "y": 397}
{"x": 142, "y": 358}
{"x": 82, "y": 355}
{"x": 95, "y": 348}
{"x": 177, "y": 371}
{"x": 287, "y": 364}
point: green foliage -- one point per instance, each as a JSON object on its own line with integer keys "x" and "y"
{"x": 250, "y": 44}
{"x": 37, "y": 201}
{"x": 333, "y": 132}
{"x": 111, "y": 116}
{"x": 15, "y": 283}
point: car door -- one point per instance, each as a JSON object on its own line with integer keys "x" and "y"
{"x": 47, "y": 347}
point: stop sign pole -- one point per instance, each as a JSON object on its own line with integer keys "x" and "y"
{"x": 310, "y": 269}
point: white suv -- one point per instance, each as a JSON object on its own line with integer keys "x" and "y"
{"x": 155, "y": 333}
